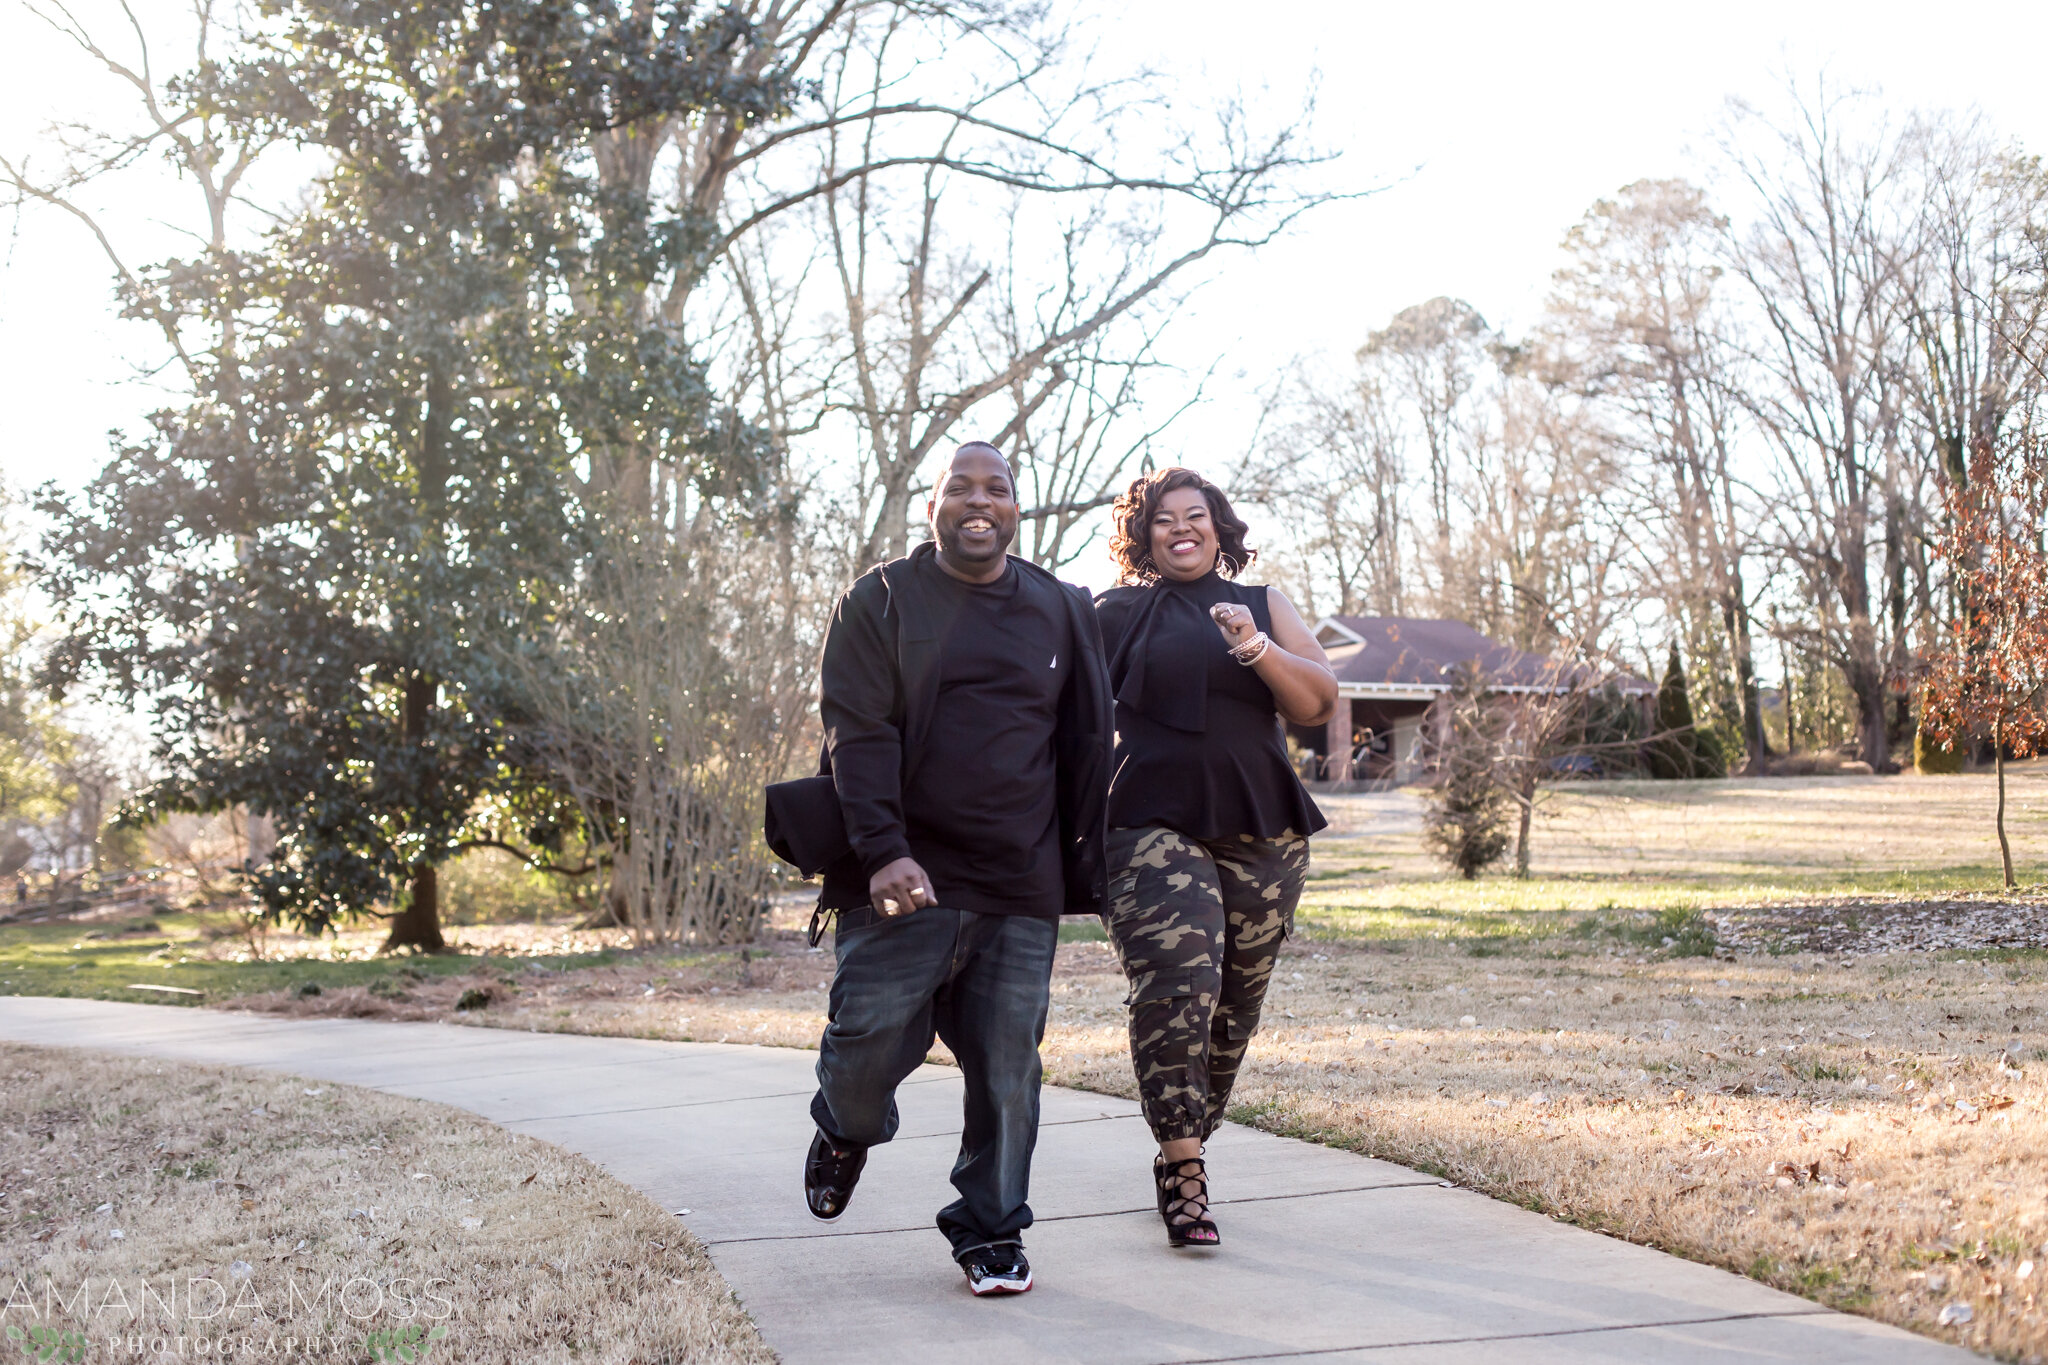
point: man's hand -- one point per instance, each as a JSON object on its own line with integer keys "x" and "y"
{"x": 900, "y": 887}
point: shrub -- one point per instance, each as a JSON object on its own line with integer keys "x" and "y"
{"x": 1467, "y": 820}
{"x": 1679, "y": 749}
{"x": 1933, "y": 757}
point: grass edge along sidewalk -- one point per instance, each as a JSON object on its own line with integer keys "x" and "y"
{"x": 149, "y": 1201}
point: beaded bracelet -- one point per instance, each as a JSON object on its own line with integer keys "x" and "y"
{"x": 1252, "y": 650}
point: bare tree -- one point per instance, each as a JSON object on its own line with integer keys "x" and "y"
{"x": 674, "y": 688}
{"x": 1075, "y": 447}
{"x": 1537, "y": 539}
{"x": 1435, "y": 353}
{"x": 1333, "y": 467}
{"x": 1977, "y": 284}
{"x": 1635, "y": 324}
{"x": 180, "y": 120}
{"x": 1822, "y": 257}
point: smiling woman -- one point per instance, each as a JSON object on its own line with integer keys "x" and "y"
{"x": 1208, "y": 842}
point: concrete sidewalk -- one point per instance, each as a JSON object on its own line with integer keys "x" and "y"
{"x": 1328, "y": 1257}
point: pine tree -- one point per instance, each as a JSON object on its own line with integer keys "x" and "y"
{"x": 1678, "y": 748}
{"x": 1468, "y": 808}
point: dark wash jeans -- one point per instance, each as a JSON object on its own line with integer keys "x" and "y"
{"x": 978, "y": 982}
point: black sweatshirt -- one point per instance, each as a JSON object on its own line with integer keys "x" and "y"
{"x": 939, "y": 744}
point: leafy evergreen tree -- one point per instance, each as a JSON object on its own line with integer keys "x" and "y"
{"x": 1679, "y": 748}
{"x": 316, "y": 571}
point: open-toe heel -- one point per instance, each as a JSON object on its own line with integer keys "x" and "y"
{"x": 1177, "y": 1208}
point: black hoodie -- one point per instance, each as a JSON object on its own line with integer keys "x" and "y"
{"x": 878, "y": 689}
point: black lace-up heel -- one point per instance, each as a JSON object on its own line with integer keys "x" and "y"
{"x": 1176, "y": 1206}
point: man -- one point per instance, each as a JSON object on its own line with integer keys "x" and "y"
{"x": 968, "y": 729}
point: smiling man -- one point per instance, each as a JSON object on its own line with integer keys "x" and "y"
{"x": 967, "y": 726}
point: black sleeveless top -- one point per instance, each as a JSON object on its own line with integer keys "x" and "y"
{"x": 1199, "y": 748}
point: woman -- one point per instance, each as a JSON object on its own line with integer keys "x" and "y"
{"x": 1209, "y": 827}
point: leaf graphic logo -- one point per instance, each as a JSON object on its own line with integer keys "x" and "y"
{"x": 47, "y": 1344}
{"x": 402, "y": 1345}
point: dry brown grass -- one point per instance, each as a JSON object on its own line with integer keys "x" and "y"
{"x": 122, "y": 1174}
{"x": 1795, "y": 1118}
{"x": 1829, "y": 832}
{"x": 1850, "y": 1129}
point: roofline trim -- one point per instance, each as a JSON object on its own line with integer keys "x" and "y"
{"x": 1366, "y": 691}
{"x": 1331, "y": 623}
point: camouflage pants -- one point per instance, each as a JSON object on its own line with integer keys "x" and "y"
{"x": 1198, "y": 925}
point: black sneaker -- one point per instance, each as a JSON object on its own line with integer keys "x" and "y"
{"x": 997, "y": 1269}
{"x": 830, "y": 1173}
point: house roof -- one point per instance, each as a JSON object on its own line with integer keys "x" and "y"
{"x": 1399, "y": 657}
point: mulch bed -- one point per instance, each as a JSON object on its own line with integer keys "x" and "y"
{"x": 1970, "y": 921}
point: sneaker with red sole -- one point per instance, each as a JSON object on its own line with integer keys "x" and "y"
{"x": 997, "y": 1269}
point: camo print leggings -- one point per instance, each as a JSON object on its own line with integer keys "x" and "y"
{"x": 1198, "y": 924}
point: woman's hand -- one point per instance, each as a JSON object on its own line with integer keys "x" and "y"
{"x": 1235, "y": 622}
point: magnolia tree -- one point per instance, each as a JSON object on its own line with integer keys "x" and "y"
{"x": 1990, "y": 675}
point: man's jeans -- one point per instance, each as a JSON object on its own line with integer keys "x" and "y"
{"x": 980, "y": 983}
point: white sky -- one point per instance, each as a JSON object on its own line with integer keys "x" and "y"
{"x": 1501, "y": 122}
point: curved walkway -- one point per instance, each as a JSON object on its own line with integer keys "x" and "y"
{"x": 1329, "y": 1257}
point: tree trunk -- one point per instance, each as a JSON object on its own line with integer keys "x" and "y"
{"x": 1785, "y": 693}
{"x": 889, "y": 537}
{"x": 1527, "y": 796}
{"x": 2004, "y": 845}
{"x": 1756, "y": 746}
{"x": 1865, "y": 676}
{"x": 418, "y": 923}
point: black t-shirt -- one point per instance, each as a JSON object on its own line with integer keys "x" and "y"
{"x": 981, "y": 811}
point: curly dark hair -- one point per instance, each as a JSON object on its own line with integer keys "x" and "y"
{"x": 1130, "y": 539}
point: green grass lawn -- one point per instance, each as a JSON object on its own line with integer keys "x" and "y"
{"x": 1615, "y": 862}
{"x": 105, "y": 960}
{"x": 1337, "y": 894}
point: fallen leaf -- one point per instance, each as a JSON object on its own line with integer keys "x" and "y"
{"x": 530, "y": 1179}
